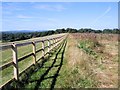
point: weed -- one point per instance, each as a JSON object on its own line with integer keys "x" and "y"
{"x": 86, "y": 83}
{"x": 85, "y": 45}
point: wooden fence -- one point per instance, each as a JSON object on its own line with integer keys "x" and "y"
{"x": 16, "y": 60}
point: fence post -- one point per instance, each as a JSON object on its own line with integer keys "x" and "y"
{"x": 34, "y": 52}
{"x": 43, "y": 49}
{"x": 15, "y": 61}
{"x": 53, "y": 42}
{"x": 56, "y": 41}
{"x": 48, "y": 45}
{"x": 60, "y": 40}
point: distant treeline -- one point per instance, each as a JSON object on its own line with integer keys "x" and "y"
{"x": 11, "y": 36}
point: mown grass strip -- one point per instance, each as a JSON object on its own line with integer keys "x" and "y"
{"x": 38, "y": 71}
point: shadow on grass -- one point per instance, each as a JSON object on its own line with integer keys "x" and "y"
{"x": 58, "y": 54}
{"x": 49, "y": 68}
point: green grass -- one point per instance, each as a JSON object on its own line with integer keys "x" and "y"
{"x": 87, "y": 47}
{"x": 7, "y": 74}
{"x": 6, "y": 56}
{"x": 53, "y": 74}
{"x": 56, "y": 74}
{"x": 49, "y": 69}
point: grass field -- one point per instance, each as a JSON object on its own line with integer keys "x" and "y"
{"x": 101, "y": 51}
{"x": 6, "y": 57}
{"x": 22, "y": 51}
{"x": 81, "y": 61}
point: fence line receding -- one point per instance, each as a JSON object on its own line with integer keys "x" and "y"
{"x": 48, "y": 44}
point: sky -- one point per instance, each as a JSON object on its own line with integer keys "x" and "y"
{"x": 54, "y": 15}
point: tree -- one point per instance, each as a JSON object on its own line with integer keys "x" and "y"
{"x": 70, "y": 30}
{"x": 107, "y": 31}
{"x": 60, "y": 30}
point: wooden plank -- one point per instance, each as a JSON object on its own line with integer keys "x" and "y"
{"x": 5, "y": 47}
{"x": 15, "y": 61}
{"x": 23, "y": 44}
{"x": 45, "y": 39}
{"x": 24, "y": 57}
{"x": 6, "y": 65}
{"x": 39, "y": 50}
{"x": 34, "y": 52}
{"x": 26, "y": 43}
{"x": 38, "y": 41}
{"x": 55, "y": 42}
{"x": 43, "y": 47}
{"x": 7, "y": 82}
{"x": 48, "y": 46}
{"x": 25, "y": 69}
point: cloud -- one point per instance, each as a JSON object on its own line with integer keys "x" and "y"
{"x": 102, "y": 15}
{"x": 7, "y": 12}
{"x": 50, "y": 7}
{"x": 23, "y": 16}
{"x": 11, "y": 6}
{"x": 52, "y": 20}
{"x": 48, "y": 19}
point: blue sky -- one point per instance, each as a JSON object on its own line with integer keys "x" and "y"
{"x": 53, "y": 15}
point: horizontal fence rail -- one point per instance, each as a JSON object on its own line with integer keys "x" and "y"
{"x": 51, "y": 43}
